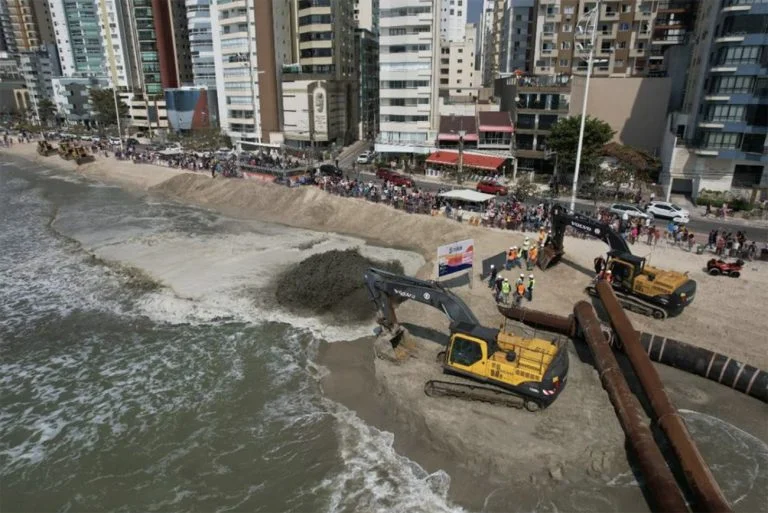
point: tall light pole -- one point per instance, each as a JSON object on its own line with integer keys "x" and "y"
{"x": 117, "y": 114}
{"x": 462, "y": 133}
{"x": 592, "y": 19}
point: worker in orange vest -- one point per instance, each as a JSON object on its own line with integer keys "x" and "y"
{"x": 512, "y": 258}
{"x": 519, "y": 293}
{"x": 533, "y": 255}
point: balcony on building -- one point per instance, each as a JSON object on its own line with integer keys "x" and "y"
{"x": 495, "y": 130}
{"x": 746, "y": 30}
{"x": 542, "y": 84}
{"x": 745, "y": 7}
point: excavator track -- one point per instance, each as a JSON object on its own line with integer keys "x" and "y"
{"x": 634, "y": 304}
{"x": 490, "y": 395}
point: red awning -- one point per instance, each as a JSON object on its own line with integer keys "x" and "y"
{"x": 455, "y": 137}
{"x": 451, "y": 158}
{"x": 490, "y": 128}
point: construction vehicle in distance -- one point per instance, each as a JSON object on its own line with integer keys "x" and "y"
{"x": 65, "y": 150}
{"x": 510, "y": 370}
{"x": 82, "y": 156}
{"x": 639, "y": 287}
{"x": 45, "y": 148}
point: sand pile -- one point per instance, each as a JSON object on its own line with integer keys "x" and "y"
{"x": 330, "y": 283}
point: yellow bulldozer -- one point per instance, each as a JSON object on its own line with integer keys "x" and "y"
{"x": 65, "y": 150}
{"x": 502, "y": 368}
{"x": 82, "y": 156}
{"x": 45, "y": 148}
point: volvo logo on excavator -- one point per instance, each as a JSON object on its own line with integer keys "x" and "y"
{"x": 405, "y": 294}
{"x": 586, "y": 228}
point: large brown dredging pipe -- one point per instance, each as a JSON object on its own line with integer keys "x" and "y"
{"x": 686, "y": 357}
{"x": 699, "y": 477}
{"x": 660, "y": 482}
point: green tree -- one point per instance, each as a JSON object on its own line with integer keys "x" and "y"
{"x": 564, "y": 139}
{"x": 632, "y": 163}
{"x": 46, "y": 110}
{"x": 103, "y": 104}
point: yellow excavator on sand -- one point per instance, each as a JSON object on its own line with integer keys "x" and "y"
{"x": 506, "y": 369}
{"x": 638, "y": 286}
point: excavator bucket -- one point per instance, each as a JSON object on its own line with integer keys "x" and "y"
{"x": 393, "y": 345}
{"x": 548, "y": 257}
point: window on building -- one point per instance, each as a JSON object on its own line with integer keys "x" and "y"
{"x": 623, "y": 27}
{"x": 730, "y": 85}
{"x": 397, "y": 31}
{"x": 739, "y": 54}
{"x": 722, "y": 140}
{"x": 565, "y": 45}
{"x": 563, "y": 62}
{"x": 722, "y": 113}
{"x": 567, "y": 27}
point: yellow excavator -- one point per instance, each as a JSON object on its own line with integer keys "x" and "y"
{"x": 638, "y": 286}
{"x": 506, "y": 369}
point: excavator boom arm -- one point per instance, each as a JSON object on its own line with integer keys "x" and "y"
{"x": 388, "y": 289}
{"x": 561, "y": 219}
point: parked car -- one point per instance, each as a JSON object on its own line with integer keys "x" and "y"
{"x": 365, "y": 158}
{"x": 620, "y": 209}
{"x": 393, "y": 177}
{"x": 330, "y": 170}
{"x": 666, "y": 210}
{"x": 492, "y": 187}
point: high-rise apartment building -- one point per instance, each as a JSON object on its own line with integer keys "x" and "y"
{"x": 163, "y": 52}
{"x": 491, "y": 39}
{"x": 323, "y": 82}
{"x": 38, "y": 68}
{"x": 247, "y": 48}
{"x": 518, "y": 34}
{"x": 408, "y": 46}
{"x": 453, "y": 20}
{"x": 201, "y": 42}
{"x": 367, "y": 64}
{"x": 366, "y": 14}
{"x": 457, "y": 65}
{"x": 25, "y": 25}
{"x": 78, "y": 37}
{"x": 718, "y": 140}
{"x": 633, "y": 37}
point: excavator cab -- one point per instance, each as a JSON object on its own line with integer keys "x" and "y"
{"x": 623, "y": 271}
{"x": 468, "y": 353}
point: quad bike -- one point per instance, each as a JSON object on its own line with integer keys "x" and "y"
{"x": 716, "y": 267}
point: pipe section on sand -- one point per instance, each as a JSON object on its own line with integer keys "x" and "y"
{"x": 661, "y": 485}
{"x": 699, "y": 477}
{"x": 675, "y": 353}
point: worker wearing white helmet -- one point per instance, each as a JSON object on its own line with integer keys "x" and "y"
{"x": 512, "y": 258}
{"x": 492, "y": 276}
{"x": 531, "y": 283}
